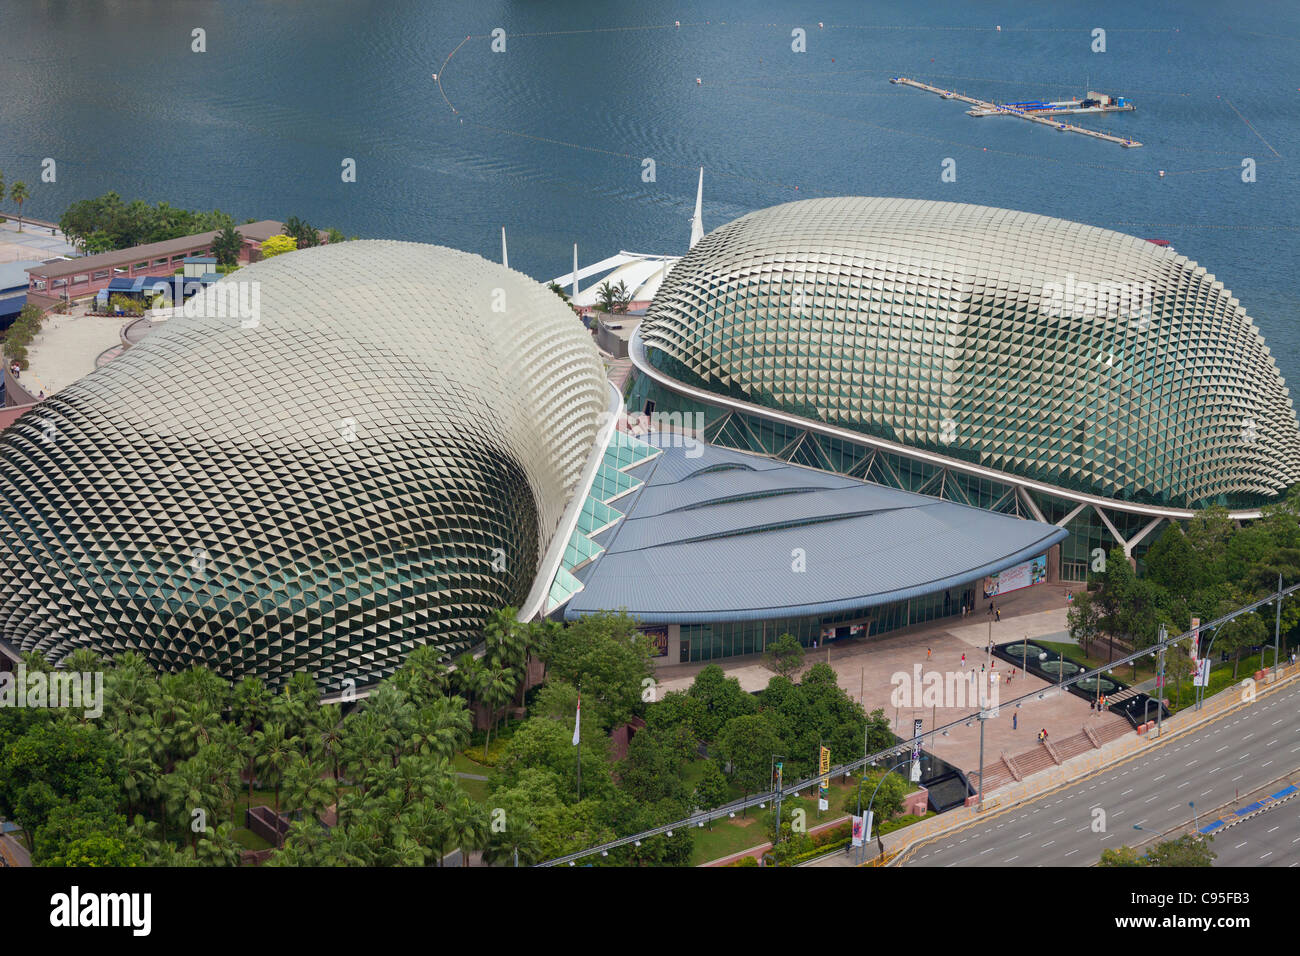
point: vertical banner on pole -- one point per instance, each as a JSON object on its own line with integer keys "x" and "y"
{"x": 823, "y": 792}
{"x": 857, "y": 831}
{"x": 916, "y": 750}
{"x": 1196, "y": 638}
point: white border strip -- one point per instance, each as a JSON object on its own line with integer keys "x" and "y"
{"x": 535, "y": 603}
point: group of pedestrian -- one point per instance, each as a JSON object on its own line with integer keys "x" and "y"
{"x": 1098, "y": 703}
{"x": 1042, "y": 736}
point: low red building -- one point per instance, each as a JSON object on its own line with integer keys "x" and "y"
{"x": 59, "y": 279}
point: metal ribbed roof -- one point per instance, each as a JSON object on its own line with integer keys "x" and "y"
{"x": 713, "y": 534}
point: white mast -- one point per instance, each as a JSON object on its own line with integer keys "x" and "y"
{"x": 575, "y": 270}
{"x": 505, "y": 258}
{"x": 697, "y": 221}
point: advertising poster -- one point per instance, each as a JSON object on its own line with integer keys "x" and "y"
{"x": 1013, "y": 579}
{"x": 658, "y": 640}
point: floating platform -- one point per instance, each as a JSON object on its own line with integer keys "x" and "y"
{"x": 1042, "y": 113}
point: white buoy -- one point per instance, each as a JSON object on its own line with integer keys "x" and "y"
{"x": 999, "y": 28}
{"x": 678, "y": 24}
{"x": 698, "y": 81}
{"x": 1162, "y": 174}
{"x": 435, "y": 76}
{"x": 820, "y": 25}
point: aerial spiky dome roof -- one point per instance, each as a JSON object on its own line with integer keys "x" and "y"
{"x": 1047, "y": 349}
{"x": 358, "y": 449}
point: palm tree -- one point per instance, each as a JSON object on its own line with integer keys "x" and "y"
{"x": 328, "y": 728}
{"x": 442, "y": 728}
{"x": 469, "y": 824}
{"x": 139, "y": 774}
{"x": 622, "y": 296}
{"x": 607, "y": 295}
{"x": 498, "y": 687}
{"x": 127, "y": 696}
{"x": 291, "y": 710}
{"x": 207, "y": 686}
{"x": 277, "y": 753}
{"x": 423, "y": 675}
{"x": 353, "y": 845}
{"x": 363, "y": 739}
{"x": 219, "y": 847}
{"x": 18, "y": 193}
{"x": 197, "y": 723}
{"x": 305, "y": 790}
{"x": 188, "y": 789}
{"x": 516, "y": 845}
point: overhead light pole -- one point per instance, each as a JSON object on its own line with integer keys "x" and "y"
{"x": 862, "y": 851}
{"x": 1160, "y": 681}
{"x": 1277, "y": 626}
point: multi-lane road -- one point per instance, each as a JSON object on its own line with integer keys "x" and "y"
{"x": 1212, "y": 766}
{"x": 1270, "y": 838}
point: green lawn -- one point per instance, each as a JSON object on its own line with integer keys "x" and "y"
{"x": 477, "y": 789}
{"x": 1221, "y": 678}
{"x": 733, "y": 835}
{"x": 250, "y": 840}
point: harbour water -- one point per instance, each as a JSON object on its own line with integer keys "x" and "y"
{"x": 548, "y": 138}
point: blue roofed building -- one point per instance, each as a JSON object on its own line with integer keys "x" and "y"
{"x": 721, "y": 551}
{"x": 13, "y": 289}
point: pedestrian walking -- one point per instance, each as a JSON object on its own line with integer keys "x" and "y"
{"x": 997, "y": 614}
{"x": 1014, "y": 715}
{"x": 963, "y": 661}
{"x": 927, "y": 653}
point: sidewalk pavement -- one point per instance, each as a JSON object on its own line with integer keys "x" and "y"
{"x": 34, "y": 242}
{"x": 1072, "y": 770}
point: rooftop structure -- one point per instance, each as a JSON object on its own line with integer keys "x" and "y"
{"x": 708, "y": 535}
{"x": 1000, "y": 358}
{"x": 322, "y": 485}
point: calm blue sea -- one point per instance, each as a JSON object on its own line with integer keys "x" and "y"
{"x": 550, "y": 135}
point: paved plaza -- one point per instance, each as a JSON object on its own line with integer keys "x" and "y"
{"x": 34, "y": 242}
{"x": 866, "y": 668}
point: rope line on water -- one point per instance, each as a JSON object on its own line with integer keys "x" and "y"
{"x": 1252, "y": 128}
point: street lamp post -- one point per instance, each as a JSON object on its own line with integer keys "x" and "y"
{"x": 1160, "y": 681}
{"x": 777, "y": 767}
{"x": 862, "y": 852}
{"x": 1277, "y": 626}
